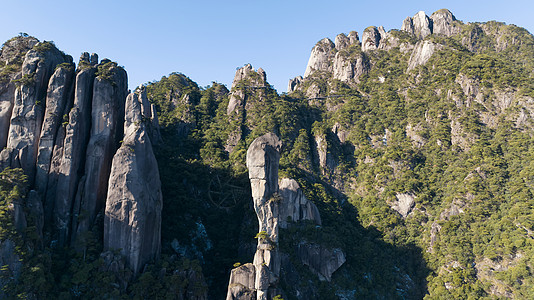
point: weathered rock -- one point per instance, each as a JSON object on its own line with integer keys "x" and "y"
{"x": 241, "y": 285}
{"x": 407, "y": 25}
{"x": 69, "y": 157}
{"x": 134, "y": 201}
{"x": 294, "y": 206}
{"x": 443, "y": 23}
{"x": 348, "y": 68}
{"x": 353, "y": 38}
{"x": 11, "y": 61}
{"x": 321, "y": 260}
{"x": 342, "y": 41}
{"x": 422, "y": 53}
{"x": 263, "y": 157}
{"x": 93, "y": 60}
{"x": 28, "y": 109}
{"x": 370, "y": 38}
{"x": 250, "y": 80}
{"x": 294, "y": 83}
{"x": 326, "y": 160}
{"x": 107, "y": 117}
{"x": 404, "y": 204}
{"x": 422, "y": 25}
{"x": 321, "y": 57}
{"x": 57, "y": 99}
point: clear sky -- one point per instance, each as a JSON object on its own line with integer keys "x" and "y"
{"x": 208, "y": 40}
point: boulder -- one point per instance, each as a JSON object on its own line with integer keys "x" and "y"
{"x": 241, "y": 285}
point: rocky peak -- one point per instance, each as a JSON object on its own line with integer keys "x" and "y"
{"x": 342, "y": 41}
{"x": 252, "y": 79}
{"x": 442, "y": 23}
{"x": 321, "y": 56}
{"x": 370, "y": 38}
{"x": 294, "y": 83}
{"x": 354, "y": 38}
{"x": 257, "y": 78}
{"x": 420, "y": 25}
{"x": 13, "y": 49}
{"x": 134, "y": 201}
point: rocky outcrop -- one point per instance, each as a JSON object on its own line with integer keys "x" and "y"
{"x": 370, "y": 39}
{"x": 263, "y": 157}
{"x": 404, "y": 204}
{"x": 294, "y": 83}
{"x": 107, "y": 117}
{"x": 321, "y": 57}
{"x": 325, "y": 159}
{"x": 294, "y": 206}
{"x": 420, "y": 25}
{"x": 134, "y": 201}
{"x": 341, "y": 42}
{"x": 422, "y": 53}
{"x": 443, "y": 23}
{"x": 28, "y": 109}
{"x": 242, "y": 282}
{"x": 69, "y": 156}
{"x": 277, "y": 205}
{"x": 349, "y": 68}
{"x": 321, "y": 260}
{"x": 11, "y": 57}
{"x": 58, "y": 98}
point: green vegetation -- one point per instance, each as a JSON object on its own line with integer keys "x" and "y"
{"x": 455, "y": 134}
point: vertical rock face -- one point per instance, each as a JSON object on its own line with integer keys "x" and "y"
{"x": 11, "y": 59}
{"x": 69, "y": 156}
{"x": 407, "y": 25}
{"x": 321, "y": 57}
{"x": 263, "y": 157}
{"x": 295, "y": 207}
{"x": 58, "y": 96}
{"x": 107, "y": 117}
{"x": 422, "y": 25}
{"x": 134, "y": 201}
{"x": 370, "y": 38}
{"x": 28, "y": 109}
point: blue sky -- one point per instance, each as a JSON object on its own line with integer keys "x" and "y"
{"x": 208, "y": 40}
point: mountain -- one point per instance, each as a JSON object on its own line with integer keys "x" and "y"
{"x": 399, "y": 166}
